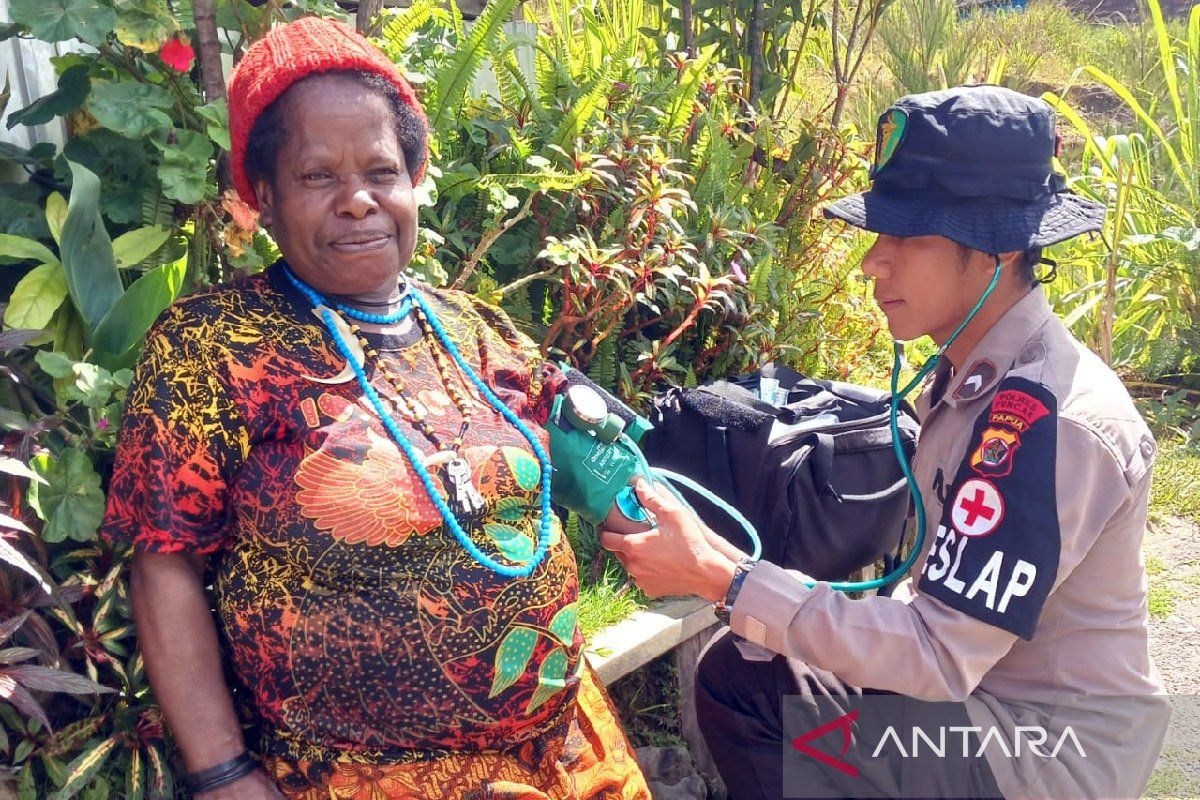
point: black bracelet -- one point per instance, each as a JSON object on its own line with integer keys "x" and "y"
{"x": 217, "y": 776}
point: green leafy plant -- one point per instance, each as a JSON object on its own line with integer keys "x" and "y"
{"x": 1150, "y": 179}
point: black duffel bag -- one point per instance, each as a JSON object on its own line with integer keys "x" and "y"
{"x": 814, "y": 471}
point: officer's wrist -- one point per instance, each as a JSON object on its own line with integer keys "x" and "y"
{"x": 718, "y": 576}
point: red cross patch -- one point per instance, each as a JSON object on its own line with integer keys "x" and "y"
{"x": 978, "y": 508}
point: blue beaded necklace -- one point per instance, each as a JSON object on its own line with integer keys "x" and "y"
{"x": 425, "y": 314}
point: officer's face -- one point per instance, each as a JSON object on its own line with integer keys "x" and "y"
{"x": 924, "y": 284}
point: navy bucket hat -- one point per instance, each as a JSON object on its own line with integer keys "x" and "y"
{"x": 972, "y": 164}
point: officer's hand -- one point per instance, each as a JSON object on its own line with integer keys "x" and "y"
{"x": 680, "y": 556}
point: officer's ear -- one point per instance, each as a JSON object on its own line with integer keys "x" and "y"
{"x": 1014, "y": 267}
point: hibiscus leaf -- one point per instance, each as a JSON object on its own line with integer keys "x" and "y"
{"x": 60, "y": 20}
{"x": 71, "y": 503}
{"x": 184, "y": 167}
{"x": 132, "y": 109}
{"x": 73, "y": 86}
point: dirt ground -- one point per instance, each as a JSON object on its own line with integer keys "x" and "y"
{"x": 1172, "y": 550}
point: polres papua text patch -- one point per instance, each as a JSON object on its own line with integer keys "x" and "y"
{"x": 996, "y": 551}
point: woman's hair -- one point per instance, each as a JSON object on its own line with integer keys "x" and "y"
{"x": 269, "y": 131}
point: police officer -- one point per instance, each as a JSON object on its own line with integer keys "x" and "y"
{"x": 1026, "y": 610}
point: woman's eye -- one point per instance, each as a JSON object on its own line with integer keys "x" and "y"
{"x": 317, "y": 176}
{"x": 385, "y": 174}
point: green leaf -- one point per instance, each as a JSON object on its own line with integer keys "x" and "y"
{"x": 71, "y": 503}
{"x": 84, "y": 768}
{"x": 158, "y": 774}
{"x": 135, "y": 246}
{"x": 126, "y": 323}
{"x": 87, "y": 253}
{"x": 20, "y": 217}
{"x": 144, "y": 24}
{"x": 56, "y": 214}
{"x": 25, "y": 249}
{"x": 184, "y": 168}
{"x": 56, "y": 365}
{"x": 135, "y": 778}
{"x": 26, "y": 785}
{"x": 56, "y": 769}
{"x": 524, "y": 467}
{"x": 36, "y": 297}
{"x": 130, "y": 108}
{"x": 563, "y": 624}
{"x": 60, "y": 20}
{"x": 551, "y": 679}
{"x": 73, "y": 87}
{"x": 511, "y": 509}
{"x": 515, "y": 546}
{"x": 512, "y": 658}
{"x": 216, "y": 114}
{"x": 7, "y": 31}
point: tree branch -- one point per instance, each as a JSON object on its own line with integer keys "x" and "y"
{"x": 488, "y": 239}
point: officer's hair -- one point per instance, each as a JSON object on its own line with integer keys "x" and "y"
{"x": 1026, "y": 266}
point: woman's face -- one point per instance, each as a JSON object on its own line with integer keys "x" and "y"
{"x": 341, "y": 206}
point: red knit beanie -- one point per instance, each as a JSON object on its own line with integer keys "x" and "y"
{"x": 288, "y": 54}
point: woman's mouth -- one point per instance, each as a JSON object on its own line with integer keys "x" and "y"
{"x": 361, "y": 243}
{"x": 889, "y": 305}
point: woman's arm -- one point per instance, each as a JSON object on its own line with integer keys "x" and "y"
{"x": 179, "y": 643}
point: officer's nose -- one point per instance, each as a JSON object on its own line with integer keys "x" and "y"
{"x": 877, "y": 262}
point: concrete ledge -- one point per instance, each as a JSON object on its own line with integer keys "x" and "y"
{"x": 648, "y": 634}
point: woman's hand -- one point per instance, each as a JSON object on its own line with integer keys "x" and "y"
{"x": 253, "y": 786}
{"x": 680, "y": 556}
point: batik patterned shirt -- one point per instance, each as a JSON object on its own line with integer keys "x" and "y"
{"x": 354, "y": 620}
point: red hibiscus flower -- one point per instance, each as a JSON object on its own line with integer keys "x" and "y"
{"x": 178, "y": 54}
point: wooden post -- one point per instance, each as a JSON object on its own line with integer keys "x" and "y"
{"x": 366, "y": 19}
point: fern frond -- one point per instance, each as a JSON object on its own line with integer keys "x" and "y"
{"x": 455, "y": 78}
{"x": 550, "y": 181}
{"x": 603, "y": 369}
{"x": 518, "y": 77}
{"x": 157, "y": 210}
{"x": 401, "y": 26}
{"x": 679, "y": 108}
{"x": 510, "y": 92}
{"x": 583, "y": 111}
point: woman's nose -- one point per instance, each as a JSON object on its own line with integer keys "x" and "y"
{"x": 356, "y": 200}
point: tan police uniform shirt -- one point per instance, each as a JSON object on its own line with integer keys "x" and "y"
{"x": 1028, "y": 600}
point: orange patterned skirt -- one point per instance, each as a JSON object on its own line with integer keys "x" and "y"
{"x": 585, "y": 758}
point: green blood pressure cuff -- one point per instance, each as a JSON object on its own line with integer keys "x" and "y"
{"x": 593, "y": 461}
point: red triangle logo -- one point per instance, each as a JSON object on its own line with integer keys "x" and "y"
{"x": 844, "y": 723}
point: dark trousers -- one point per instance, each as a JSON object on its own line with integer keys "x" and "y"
{"x": 751, "y": 707}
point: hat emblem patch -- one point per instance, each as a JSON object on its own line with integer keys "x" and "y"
{"x": 892, "y": 126}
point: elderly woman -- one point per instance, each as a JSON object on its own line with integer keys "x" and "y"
{"x": 358, "y": 459}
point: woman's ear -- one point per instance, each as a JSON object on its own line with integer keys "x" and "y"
{"x": 266, "y": 202}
